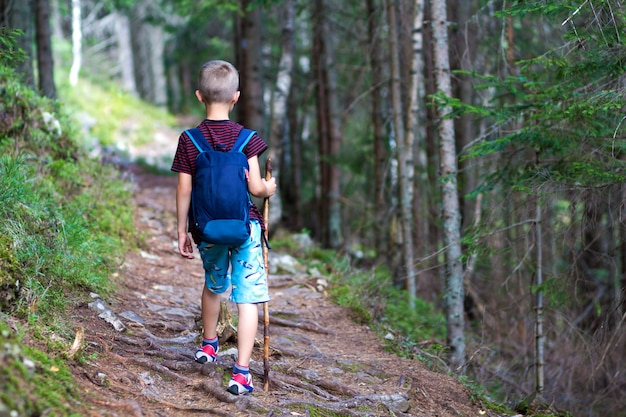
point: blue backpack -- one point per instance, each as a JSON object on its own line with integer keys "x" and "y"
{"x": 220, "y": 203}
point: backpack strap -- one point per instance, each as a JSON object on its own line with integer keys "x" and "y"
{"x": 201, "y": 143}
{"x": 242, "y": 140}
{"x": 198, "y": 139}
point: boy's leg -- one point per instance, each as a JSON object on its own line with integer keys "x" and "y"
{"x": 216, "y": 280}
{"x": 246, "y": 332}
{"x": 207, "y": 352}
{"x": 210, "y": 313}
{"x": 249, "y": 283}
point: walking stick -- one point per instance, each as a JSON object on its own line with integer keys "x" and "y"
{"x": 266, "y": 312}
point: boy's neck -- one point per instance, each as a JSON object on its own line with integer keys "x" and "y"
{"x": 218, "y": 111}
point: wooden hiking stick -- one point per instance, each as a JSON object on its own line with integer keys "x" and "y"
{"x": 266, "y": 312}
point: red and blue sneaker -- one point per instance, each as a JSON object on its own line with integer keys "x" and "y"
{"x": 240, "y": 384}
{"x": 206, "y": 354}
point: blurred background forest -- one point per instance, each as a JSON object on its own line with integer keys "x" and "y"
{"x": 472, "y": 149}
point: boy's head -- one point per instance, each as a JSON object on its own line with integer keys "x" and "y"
{"x": 218, "y": 82}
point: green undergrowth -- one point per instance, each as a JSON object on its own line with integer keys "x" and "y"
{"x": 414, "y": 329}
{"x": 373, "y": 300}
{"x": 65, "y": 223}
{"x": 409, "y": 328}
{"x": 33, "y": 383}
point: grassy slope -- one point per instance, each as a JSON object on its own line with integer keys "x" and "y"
{"x": 60, "y": 238}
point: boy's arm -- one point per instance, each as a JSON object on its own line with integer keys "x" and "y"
{"x": 257, "y": 186}
{"x": 183, "y": 202}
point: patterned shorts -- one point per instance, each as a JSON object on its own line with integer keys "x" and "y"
{"x": 241, "y": 266}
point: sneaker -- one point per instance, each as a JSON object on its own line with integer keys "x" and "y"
{"x": 206, "y": 354}
{"x": 240, "y": 384}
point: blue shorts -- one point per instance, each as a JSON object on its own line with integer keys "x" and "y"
{"x": 247, "y": 269}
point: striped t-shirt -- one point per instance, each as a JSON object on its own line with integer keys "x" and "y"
{"x": 221, "y": 135}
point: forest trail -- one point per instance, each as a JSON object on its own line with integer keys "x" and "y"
{"x": 322, "y": 363}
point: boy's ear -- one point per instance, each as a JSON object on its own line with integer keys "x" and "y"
{"x": 199, "y": 96}
{"x": 236, "y": 97}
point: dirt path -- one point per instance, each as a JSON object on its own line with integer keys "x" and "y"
{"x": 322, "y": 364}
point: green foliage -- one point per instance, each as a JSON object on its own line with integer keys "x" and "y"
{"x": 538, "y": 7}
{"x": 64, "y": 219}
{"x": 373, "y": 300}
{"x": 65, "y": 222}
{"x": 62, "y": 244}
{"x": 422, "y": 322}
{"x": 33, "y": 383}
{"x": 564, "y": 106}
{"x": 562, "y": 112}
{"x": 11, "y": 54}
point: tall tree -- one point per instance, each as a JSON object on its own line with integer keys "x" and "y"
{"x": 454, "y": 292}
{"x": 45, "y": 63}
{"x": 404, "y": 153}
{"x": 417, "y": 112}
{"x": 462, "y": 48}
{"x": 123, "y": 37}
{"x": 330, "y": 222}
{"x": 77, "y": 42}
{"x": 280, "y": 98}
{"x": 149, "y": 40}
{"x": 539, "y": 334}
{"x": 380, "y": 148}
{"x": 248, "y": 47}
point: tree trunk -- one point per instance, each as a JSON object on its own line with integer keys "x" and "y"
{"x": 250, "y": 107}
{"x": 77, "y": 37}
{"x": 328, "y": 130}
{"x": 621, "y": 290}
{"x": 57, "y": 29}
{"x": 380, "y": 149}
{"x": 404, "y": 155}
{"x": 298, "y": 133}
{"x": 158, "y": 37}
{"x": 279, "y": 102}
{"x": 148, "y": 42}
{"x": 454, "y": 293}
{"x": 429, "y": 187}
{"x": 125, "y": 53}
{"x": 45, "y": 63}
{"x": 418, "y": 112}
{"x": 463, "y": 46}
{"x": 539, "y": 335}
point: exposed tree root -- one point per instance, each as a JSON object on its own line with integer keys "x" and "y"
{"x": 285, "y": 381}
{"x": 398, "y": 403}
{"x": 131, "y": 408}
{"x": 210, "y": 411}
{"x": 327, "y": 384}
{"x": 307, "y": 325}
{"x": 217, "y": 391}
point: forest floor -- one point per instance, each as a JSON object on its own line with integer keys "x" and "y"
{"x": 322, "y": 363}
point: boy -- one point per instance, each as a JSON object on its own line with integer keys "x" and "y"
{"x": 219, "y": 91}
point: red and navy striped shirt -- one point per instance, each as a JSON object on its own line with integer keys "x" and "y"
{"x": 221, "y": 135}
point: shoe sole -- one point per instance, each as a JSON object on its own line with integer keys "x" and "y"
{"x": 235, "y": 390}
{"x": 204, "y": 359}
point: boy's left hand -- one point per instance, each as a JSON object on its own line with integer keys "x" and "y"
{"x": 185, "y": 247}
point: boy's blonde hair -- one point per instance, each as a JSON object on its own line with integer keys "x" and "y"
{"x": 218, "y": 82}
